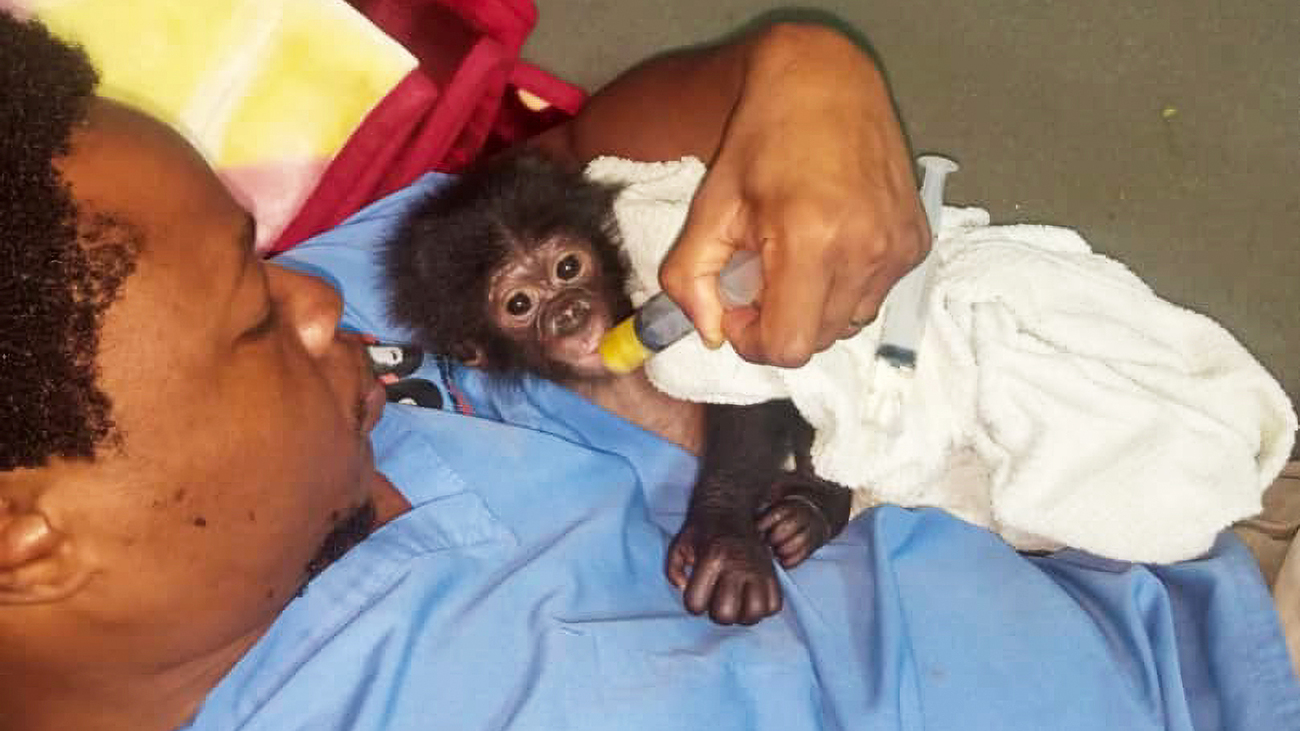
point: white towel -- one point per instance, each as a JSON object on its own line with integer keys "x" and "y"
{"x": 1057, "y": 400}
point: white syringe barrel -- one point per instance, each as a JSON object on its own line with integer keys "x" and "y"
{"x": 904, "y": 308}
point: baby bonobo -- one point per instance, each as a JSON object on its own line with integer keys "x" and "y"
{"x": 516, "y": 267}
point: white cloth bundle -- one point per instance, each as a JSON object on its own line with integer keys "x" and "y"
{"x": 1057, "y": 400}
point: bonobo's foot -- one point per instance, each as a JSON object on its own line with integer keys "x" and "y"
{"x": 722, "y": 565}
{"x": 805, "y": 512}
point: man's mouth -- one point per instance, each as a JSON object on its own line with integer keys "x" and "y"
{"x": 373, "y": 405}
{"x": 370, "y": 401}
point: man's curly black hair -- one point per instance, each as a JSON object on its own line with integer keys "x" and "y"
{"x": 60, "y": 268}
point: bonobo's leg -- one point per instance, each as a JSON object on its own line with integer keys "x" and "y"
{"x": 805, "y": 511}
{"x": 719, "y": 558}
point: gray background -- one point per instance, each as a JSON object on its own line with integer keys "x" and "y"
{"x": 1167, "y": 132}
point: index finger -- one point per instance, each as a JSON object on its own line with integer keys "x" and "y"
{"x": 689, "y": 273}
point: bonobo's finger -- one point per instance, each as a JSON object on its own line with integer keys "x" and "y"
{"x": 681, "y": 556}
{"x": 761, "y": 597}
{"x": 701, "y": 587}
{"x": 801, "y": 536}
{"x": 772, "y": 594}
{"x": 794, "y": 560}
{"x": 756, "y": 604}
{"x": 677, "y": 568}
{"x": 728, "y": 599}
{"x": 791, "y": 522}
{"x": 782, "y": 512}
{"x": 768, "y": 518}
{"x": 794, "y": 551}
{"x": 791, "y": 545}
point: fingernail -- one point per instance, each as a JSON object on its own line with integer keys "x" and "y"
{"x": 711, "y": 341}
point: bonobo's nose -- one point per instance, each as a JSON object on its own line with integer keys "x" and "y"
{"x": 571, "y": 316}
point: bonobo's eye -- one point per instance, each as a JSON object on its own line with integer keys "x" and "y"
{"x": 519, "y": 304}
{"x": 568, "y": 268}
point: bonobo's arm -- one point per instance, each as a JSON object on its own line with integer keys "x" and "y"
{"x": 719, "y": 558}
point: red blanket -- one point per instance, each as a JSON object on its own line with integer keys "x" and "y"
{"x": 462, "y": 101}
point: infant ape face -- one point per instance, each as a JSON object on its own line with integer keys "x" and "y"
{"x": 513, "y": 267}
{"x": 553, "y": 300}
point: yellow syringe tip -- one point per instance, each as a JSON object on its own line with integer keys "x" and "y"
{"x": 620, "y": 350}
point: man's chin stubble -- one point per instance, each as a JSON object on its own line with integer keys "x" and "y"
{"x": 350, "y": 530}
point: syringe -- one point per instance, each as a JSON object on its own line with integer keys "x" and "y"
{"x": 660, "y": 322}
{"x": 904, "y": 309}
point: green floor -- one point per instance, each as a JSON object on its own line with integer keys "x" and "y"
{"x": 1166, "y": 132}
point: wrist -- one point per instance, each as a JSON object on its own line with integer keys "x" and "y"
{"x": 732, "y": 492}
{"x": 719, "y": 521}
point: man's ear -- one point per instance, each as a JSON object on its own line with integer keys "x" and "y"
{"x": 470, "y": 353}
{"x": 37, "y": 563}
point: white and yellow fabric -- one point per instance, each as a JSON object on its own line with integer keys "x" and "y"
{"x": 267, "y": 90}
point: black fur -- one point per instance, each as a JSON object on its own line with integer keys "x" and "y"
{"x": 441, "y": 257}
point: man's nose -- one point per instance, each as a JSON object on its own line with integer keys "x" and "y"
{"x": 311, "y": 306}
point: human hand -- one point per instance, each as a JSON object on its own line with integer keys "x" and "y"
{"x": 812, "y": 172}
{"x": 722, "y": 566}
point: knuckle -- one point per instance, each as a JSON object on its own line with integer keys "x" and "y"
{"x": 917, "y": 252}
{"x": 873, "y": 248}
{"x": 673, "y": 280}
{"x": 806, "y": 225}
{"x": 912, "y": 240}
{"x": 812, "y": 218}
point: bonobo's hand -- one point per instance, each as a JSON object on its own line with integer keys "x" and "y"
{"x": 813, "y": 172}
{"x": 805, "y": 513}
{"x": 722, "y": 565}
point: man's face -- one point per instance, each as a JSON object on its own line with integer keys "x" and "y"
{"x": 243, "y": 410}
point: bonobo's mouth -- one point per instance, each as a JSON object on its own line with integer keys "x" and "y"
{"x": 580, "y": 351}
{"x": 590, "y": 360}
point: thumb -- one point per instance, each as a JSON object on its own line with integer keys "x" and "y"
{"x": 689, "y": 274}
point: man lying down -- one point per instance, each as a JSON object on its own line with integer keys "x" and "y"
{"x": 193, "y": 532}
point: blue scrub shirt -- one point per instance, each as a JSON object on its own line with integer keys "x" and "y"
{"x": 525, "y": 590}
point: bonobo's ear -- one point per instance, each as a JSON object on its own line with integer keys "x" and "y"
{"x": 37, "y": 563}
{"x": 470, "y": 353}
